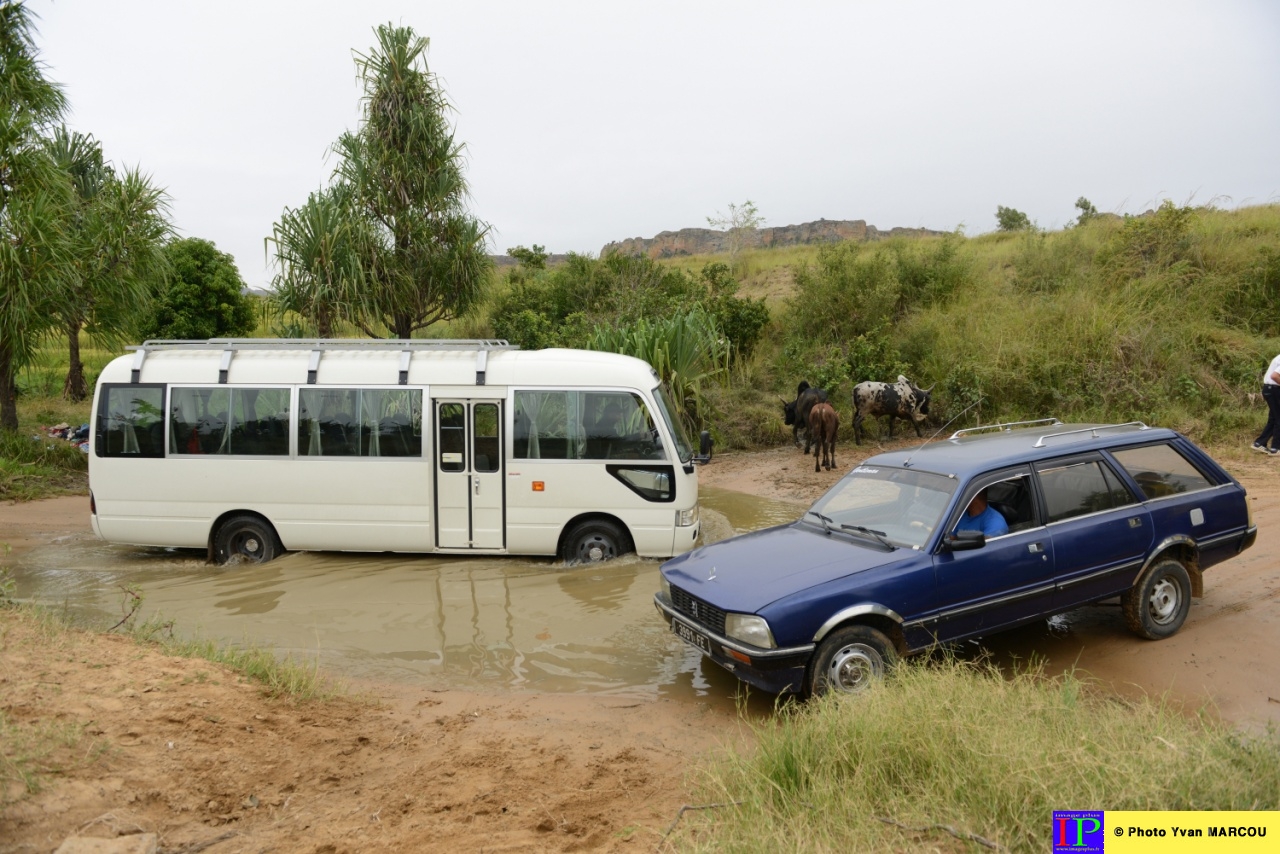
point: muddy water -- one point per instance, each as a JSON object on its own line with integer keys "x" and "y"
{"x": 468, "y": 622}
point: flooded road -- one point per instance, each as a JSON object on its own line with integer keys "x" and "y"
{"x": 434, "y": 621}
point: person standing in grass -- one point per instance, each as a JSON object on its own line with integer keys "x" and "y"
{"x": 1271, "y": 394}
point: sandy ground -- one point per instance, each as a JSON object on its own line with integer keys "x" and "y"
{"x": 193, "y": 753}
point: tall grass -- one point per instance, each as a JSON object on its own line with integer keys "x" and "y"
{"x": 961, "y": 746}
{"x": 686, "y": 350}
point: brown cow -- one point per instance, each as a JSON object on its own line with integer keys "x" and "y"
{"x": 823, "y": 425}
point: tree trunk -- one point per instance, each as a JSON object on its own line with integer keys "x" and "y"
{"x": 403, "y": 326}
{"x": 74, "y": 388}
{"x": 324, "y": 322}
{"x": 8, "y": 393}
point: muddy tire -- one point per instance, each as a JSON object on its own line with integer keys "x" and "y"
{"x": 849, "y": 660}
{"x": 594, "y": 541}
{"x": 1157, "y": 604}
{"x": 247, "y": 538}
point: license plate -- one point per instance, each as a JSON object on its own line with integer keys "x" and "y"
{"x": 690, "y": 635}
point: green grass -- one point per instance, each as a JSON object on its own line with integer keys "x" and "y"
{"x": 962, "y": 746}
{"x": 279, "y": 677}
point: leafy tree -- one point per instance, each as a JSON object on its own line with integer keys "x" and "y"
{"x": 201, "y": 296}
{"x": 117, "y": 230}
{"x": 533, "y": 259}
{"x": 417, "y": 256}
{"x": 740, "y": 222}
{"x": 1087, "y": 210}
{"x": 1010, "y": 219}
{"x": 35, "y": 203}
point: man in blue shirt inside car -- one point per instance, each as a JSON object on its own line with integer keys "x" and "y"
{"x": 981, "y": 516}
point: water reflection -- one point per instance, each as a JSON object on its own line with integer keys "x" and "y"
{"x": 444, "y": 621}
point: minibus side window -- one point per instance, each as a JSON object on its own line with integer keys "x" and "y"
{"x": 130, "y": 421}
{"x": 584, "y": 425}
{"x": 359, "y": 422}
{"x": 227, "y": 420}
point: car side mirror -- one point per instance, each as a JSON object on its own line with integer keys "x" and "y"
{"x": 964, "y": 541}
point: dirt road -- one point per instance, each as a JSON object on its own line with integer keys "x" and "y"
{"x": 187, "y": 750}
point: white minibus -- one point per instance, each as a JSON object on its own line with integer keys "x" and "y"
{"x": 248, "y": 447}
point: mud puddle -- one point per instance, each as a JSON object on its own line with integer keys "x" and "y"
{"x": 439, "y": 621}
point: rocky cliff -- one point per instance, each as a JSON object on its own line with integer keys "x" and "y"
{"x": 706, "y": 241}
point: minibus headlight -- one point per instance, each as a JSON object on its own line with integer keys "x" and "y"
{"x": 685, "y": 518}
{"x": 749, "y": 628}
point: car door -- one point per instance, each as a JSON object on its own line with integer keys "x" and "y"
{"x": 1011, "y": 578}
{"x": 1100, "y": 533}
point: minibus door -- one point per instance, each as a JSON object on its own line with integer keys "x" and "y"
{"x": 470, "y": 508}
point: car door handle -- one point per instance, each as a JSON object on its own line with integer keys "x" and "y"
{"x": 1036, "y": 548}
{"x": 1135, "y": 521}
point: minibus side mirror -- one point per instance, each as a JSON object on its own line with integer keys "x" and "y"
{"x": 704, "y": 450}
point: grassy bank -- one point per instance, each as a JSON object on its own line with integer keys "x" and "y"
{"x": 943, "y": 755}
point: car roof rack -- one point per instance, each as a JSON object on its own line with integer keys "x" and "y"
{"x": 1005, "y": 427}
{"x": 1092, "y": 431}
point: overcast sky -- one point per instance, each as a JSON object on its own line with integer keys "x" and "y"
{"x": 589, "y": 122}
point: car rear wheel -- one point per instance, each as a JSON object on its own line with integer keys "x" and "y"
{"x": 849, "y": 660}
{"x": 1157, "y": 604}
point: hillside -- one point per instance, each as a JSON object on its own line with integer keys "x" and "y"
{"x": 706, "y": 241}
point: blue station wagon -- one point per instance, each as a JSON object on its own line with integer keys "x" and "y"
{"x": 876, "y": 568}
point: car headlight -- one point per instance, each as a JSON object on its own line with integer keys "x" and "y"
{"x": 749, "y": 628}
{"x": 685, "y": 518}
{"x": 664, "y": 586}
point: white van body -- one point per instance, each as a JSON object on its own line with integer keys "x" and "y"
{"x": 381, "y": 445}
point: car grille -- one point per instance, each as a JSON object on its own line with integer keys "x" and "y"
{"x": 698, "y": 611}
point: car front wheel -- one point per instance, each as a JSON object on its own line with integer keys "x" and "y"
{"x": 849, "y": 660}
{"x": 1157, "y": 604}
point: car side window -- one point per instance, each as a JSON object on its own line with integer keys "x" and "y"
{"x": 1013, "y": 499}
{"x": 1161, "y": 471}
{"x": 1080, "y": 487}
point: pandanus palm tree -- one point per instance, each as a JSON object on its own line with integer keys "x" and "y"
{"x": 396, "y": 209}
{"x": 117, "y": 231}
{"x": 35, "y": 200}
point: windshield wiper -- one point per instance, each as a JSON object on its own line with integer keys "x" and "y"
{"x": 879, "y": 535}
{"x": 826, "y": 522}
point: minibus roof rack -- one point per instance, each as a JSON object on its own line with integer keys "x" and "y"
{"x": 327, "y": 344}
{"x": 405, "y": 346}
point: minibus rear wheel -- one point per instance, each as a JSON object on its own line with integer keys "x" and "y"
{"x": 248, "y": 538}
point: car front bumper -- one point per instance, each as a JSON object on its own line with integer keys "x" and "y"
{"x": 776, "y": 671}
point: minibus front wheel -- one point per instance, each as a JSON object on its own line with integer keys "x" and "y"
{"x": 249, "y": 539}
{"x": 593, "y": 541}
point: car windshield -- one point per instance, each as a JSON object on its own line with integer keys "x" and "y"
{"x": 883, "y": 503}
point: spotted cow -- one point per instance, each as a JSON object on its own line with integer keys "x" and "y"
{"x": 902, "y": 399}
